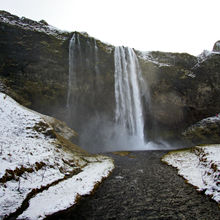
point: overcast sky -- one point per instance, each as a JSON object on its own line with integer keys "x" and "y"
{"x": 166, "y": 25}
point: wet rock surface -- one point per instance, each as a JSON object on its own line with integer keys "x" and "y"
{"x": 142, "y": 187}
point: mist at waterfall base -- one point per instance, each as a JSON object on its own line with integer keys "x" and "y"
{"x": 102, "y": 135}
{"x": 98, "y": 132}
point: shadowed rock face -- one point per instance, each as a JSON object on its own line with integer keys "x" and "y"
{"x": 34, "y": 65}
{"x": 204, "y": 131}
{"x": 184, "y": 90}
{"x": 34, "y": 69}
{"x": 216, "y": 47}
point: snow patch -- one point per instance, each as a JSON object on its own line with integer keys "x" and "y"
{"x": 200, "y": 166}
{"x": 65, "y": 194}
{"x": 147, "y": 56}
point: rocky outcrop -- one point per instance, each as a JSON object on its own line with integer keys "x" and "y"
{"x": 205, "y": 131}
{"x": 216, "y": 47}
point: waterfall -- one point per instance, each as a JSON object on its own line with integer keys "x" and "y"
{"x": 96, "y": 58}
{"x": 84, "y": 84}
{"x": 83, "y": 59}
{"x": 88, "y": 82}
{"x": 128, "y": 84}
{"x": 74, "y": 62}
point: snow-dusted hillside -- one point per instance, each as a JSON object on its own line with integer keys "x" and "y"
{"x": 29, "y": 24}
{"x": 37, "y": 166}
{"x": 200, "y": 166}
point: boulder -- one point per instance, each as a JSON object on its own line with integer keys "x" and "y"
{"x": 216, "y": 47}
{"x": 206, "y": 131}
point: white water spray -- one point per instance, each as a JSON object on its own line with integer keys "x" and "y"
{"x": 74, "y": 54}
{"x": 128, "y": 79}
{"x": 82, "y": 59}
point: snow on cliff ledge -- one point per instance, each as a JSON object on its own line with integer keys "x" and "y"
{"x": 200, "y": 166}
{"x": 28, "y": 24}
{"x": 39, "y": 175}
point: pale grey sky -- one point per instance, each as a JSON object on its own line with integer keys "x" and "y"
{"x": 166, "y": 25}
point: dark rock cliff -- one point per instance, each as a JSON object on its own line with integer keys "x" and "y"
{"x": 33, "y": 63}
{"x": 34, "y": 69}
{"x": 184, "y": 89}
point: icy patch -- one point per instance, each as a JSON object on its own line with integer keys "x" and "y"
{"x": 192, "y": 75}
{"x": 200, "y": 166}
{"x": 119, "y": 177}
{"x": 211, "y": 119}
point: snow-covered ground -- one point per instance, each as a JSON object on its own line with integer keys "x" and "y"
{"x": 35, "y": 164}
{"x": 200, "y": 166}
{"x": 67, "y": 192}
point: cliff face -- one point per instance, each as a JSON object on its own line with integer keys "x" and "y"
{"x": 184, "y": 89}
{"x": 34, "y": 69}
{"x": 34, "y": 63}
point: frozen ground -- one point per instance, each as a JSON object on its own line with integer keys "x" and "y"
{"x": 35, "y": 164}
{"x": 200, "y": 166}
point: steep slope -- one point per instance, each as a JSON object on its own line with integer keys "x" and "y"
{"x": 35, "y": 159}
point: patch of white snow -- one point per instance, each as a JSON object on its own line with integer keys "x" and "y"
{"x": 147, "y": 56}
{"x": 65, "y": 194}
{"x": 200, "y": 166}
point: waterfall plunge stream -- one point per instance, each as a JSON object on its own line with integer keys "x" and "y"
{"x": 74, "y": 63}
{"x": 128, "y": 84}
{"x": 98, "y": 133}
